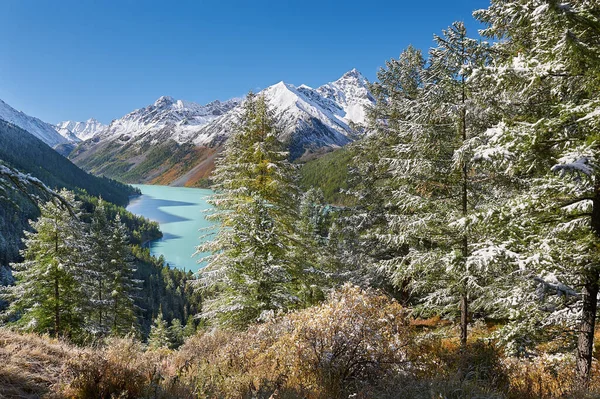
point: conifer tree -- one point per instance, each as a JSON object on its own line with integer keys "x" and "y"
{"x": 423, "y": 178}
{"x": 48, "y": 294}
{"x": 110, "y": 283}
{"x": 454, "y": 109}
{"x": 159, "y": 333}
{"x": 122, "y": 282}
{"x": 251, "y": 269}
{"x": 190, "y": 327}
{"x": 362, "y": 235}
{"x": 311, "y": 251}
{"x": 176, "y": 334}
{"x": 98, "y": 284}
{"x": 547, "y": 75}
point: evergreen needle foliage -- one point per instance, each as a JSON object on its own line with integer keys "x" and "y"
{"x": 255, "y": 266}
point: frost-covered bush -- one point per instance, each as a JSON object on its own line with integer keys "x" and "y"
{"x": 354, "y": 339}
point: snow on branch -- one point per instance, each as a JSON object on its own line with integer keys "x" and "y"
{"x": 575, "y": 163}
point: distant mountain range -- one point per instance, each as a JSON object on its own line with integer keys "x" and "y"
{"x": 79, "y": 131}
{"x": 175, "y": 142}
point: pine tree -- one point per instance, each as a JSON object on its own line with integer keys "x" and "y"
{"x": 454, "y": 107}
{"x": 311, "y": 254}
{"x": 159, "y": 333}
{"x": 176, "y": 334}
{"x": 251, "y": 269}
{"x": 48, "y": 294}
{"x": 362, "y": 235}
{"x": 110, "y": 282}
{"x": 424, "y": 179}
{"x": 190, "y": 327}
{"x": 548, "y": 76}
{"x": 98, "y": 284}
{"x": 122, "y": 282}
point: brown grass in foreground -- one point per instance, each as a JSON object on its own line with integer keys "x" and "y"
{"x": 359, "y": 344}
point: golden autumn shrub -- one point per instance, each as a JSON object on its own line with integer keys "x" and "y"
{"x": 120, "y": 368}
{"x": 326, "y": 351}
{"x": 355, "y": 338}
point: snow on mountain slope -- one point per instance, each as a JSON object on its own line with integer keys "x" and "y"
{"x": 165, "y": 141}
{"x": 42, "y": 130}
{"x": 81, "y": 130}
{"x": 181, "y": 118}
{"x": 307, "y": 118}
{"x": 351, "y": 92}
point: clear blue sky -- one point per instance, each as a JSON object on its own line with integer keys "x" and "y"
{"x": 76, "y": 59}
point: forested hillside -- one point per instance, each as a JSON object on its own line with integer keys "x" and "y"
{"x": 330, "y": 174}
{"x": 28, "y": 154}
{"x": 161, "y": 288}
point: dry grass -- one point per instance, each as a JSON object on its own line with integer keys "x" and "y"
{"x": 358, "y": 344}
{"x": 30, "y": 364}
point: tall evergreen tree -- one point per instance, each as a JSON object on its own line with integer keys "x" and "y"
{"x": 424, "y": 178}
{"x": 110, "y": 284}
{"x": 48, "y": 294}
{"x": 362, "y": 234}
{"x": 251, "y": 268}
{"x": 98, "y": 284}
{"x": 124, "y": 286}
{"x": 159, "y": 333}
{"x": 454, "y": 107}
{"x": 548, "y": 77}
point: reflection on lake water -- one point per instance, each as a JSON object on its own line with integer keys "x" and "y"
{"x": 180, "y": 213}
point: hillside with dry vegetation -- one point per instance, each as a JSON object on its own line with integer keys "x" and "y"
{"x": 359, "y": 344}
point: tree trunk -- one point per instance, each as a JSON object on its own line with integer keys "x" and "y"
{"x": 56, "y": 307}
{"x": 464, "y": 319}
{"x": 585, "y": 341}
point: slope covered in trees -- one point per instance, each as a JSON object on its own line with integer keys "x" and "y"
{"x": 329, "y": 173}
{"x": 28, "y": 154}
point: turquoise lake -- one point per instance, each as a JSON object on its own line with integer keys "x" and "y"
{"x": 180, "y": 213}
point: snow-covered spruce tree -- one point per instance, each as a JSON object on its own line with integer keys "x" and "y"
{"x": 252, "y": 268}
{"x": 47, "y": 296}
{"x": 453, "y": 114}
{"x": 124, "y": 287}
{"x": 109, "y": 280}
{"x": 431, "y": 119}
{"x": 312, "y": 254}
{"x": 361, "y": 232}
{"x": 548, "y": 67}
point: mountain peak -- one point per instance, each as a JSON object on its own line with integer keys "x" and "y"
{"x": 353, "y": 73}
{"x": 42, "y": 130}
{"x": 164, "y": 101}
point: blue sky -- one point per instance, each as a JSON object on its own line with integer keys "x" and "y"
{"x": 76, "y": 59}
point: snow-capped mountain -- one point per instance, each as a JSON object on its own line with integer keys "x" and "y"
{"x": 40, "y": 129}
{"x": 351, "y": 93}
{"x": 307, "y": 118}
{"x": 80, "y": 130}
{"x": 172, "y": 137}
{"x": 180, "y": 118}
